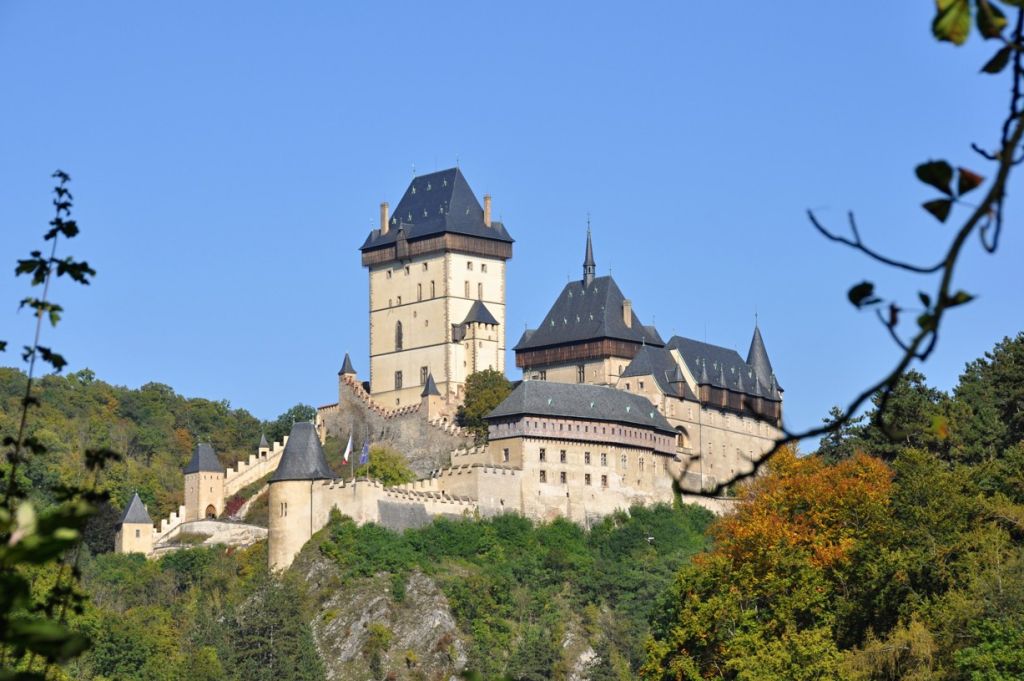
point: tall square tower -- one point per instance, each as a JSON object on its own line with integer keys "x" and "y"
{"x": 437, "y": 290}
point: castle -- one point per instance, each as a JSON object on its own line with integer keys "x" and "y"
{"x": 608, "y": 413}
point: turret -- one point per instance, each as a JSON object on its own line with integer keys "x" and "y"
{"x": 204, "y": 484}
{"x": 135, "y": 529}
{"x": 757, "y": 358}
{"x": 431, "y": 402}
{"x": 296, "y": 511}
{"x": 264, "y": 446}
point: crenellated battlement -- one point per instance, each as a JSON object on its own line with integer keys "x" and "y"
{"x": 255, "y": 467}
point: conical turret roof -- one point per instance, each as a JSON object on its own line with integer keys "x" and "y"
{"x": 263, "y": 441}
{"x": 346, "y": 367}
{"x": 589, "y": 266}
{"x": 303, "y": 458}
{"x": 204, "y": 460}
{"x": 136, "y": 513}
{"x": 430, "y": 388}
{"x": 757, "y": 357}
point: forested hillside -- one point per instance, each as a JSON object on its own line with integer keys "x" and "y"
{"x": 894, "y": 552}
{"x": 152, "y": 427}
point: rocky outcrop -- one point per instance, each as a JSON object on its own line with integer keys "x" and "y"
{"x": 354, "y": 620}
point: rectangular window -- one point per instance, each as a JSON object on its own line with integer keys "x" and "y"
{"x": 469, "y": 265}
{"x": 425, "y": 266}
{"x": 407, "y": 269}
{"x": 624, "y": 461}
{"x": 543, "y": 374}
{"x": 505, "y": 455}
{"x": 581, "y": 373}
{"x": 561, "y": 477}
{"x": 138, "y": 534}
{"x": 543, "y": 476}
{"x": 398, "y": 380}
{"x": 586, "y": 478}
{"x": 561, "y": 456}
{"x": 423, "y": 375}
{"x": 467, "y": 289}
{"x": 543, "y": 454}
{"x": 483, "y": 267}
{"x": 604, "y": 459}
{"x": 432, "y": 291}
{"x": 641, "y": 385}
{"x": 419, "y": 291}
{"x": 586, "y": 458}
{"x": 641, "y": 464}
{"x": 389, "y": 274}
{"x": 399, "y": 299}
{"x": 604, "y": 481}
{"x": 479, "y": 291}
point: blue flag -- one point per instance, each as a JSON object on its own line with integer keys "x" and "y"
{"x": 364, "y": 456}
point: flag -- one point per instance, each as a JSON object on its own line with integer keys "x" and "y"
{"x": 364, "y": 456}
{"x": 348, "y": 449}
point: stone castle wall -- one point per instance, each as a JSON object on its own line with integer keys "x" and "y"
{"x": 426, "y": 444}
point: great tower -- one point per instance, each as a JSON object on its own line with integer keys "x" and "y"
{"x": 437, "y": 290}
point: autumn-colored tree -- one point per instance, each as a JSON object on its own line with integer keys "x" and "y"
{"x": 760, "y": 605}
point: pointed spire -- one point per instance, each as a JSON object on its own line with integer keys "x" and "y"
{"x": 263, "y": 441}
{"x": 757, "y": 357}
{"x": 430, "y": 388}
{"x": 136, "y": 513}
{"x": 704, "y": 380}
{"x": 721, "y": 375}
{"x": 677, "y": 376}
{"x": 589, "y": 266}
{"x": 346, "y": 367}
{"x": 739, "y": 382}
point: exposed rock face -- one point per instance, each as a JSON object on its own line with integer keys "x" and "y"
{"x": 423, "y": 640}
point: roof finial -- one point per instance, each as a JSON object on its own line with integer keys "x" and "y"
{"x": 589, "y": 266}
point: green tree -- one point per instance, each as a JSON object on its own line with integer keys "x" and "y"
{"x": 485, "y": 390}
{"x": 276, "y": 430}
{"x": 387, "y": 465}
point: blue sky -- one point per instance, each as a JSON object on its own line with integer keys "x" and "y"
{"x": 228, "y": 159}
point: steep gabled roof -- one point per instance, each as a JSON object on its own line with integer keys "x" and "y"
{"x": 719, "y": 367}
{"x": 479, "y": 314}
{"x": 136, "y": 513}
{"x": 204, "y": 460}
{"x": 588, "y": 312}
{"x": 659, "y": 363}
{"x": 430, "y": 388}
{"x": 581, "y": 401}
{"x": 437, "y": 203}
{"x": 303, "y": 458}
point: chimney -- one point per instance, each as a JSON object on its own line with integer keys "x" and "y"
{"x": 384, "y": 218}
{"x": 627, "y": 313}
{"x": 487, "y": 210}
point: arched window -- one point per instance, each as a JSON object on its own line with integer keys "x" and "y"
{"x": 398, "y": 335}
{"x": 682, "y": 438}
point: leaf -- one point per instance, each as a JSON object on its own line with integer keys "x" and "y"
{"x": 53, "y": 640}
{"x": 3, "y": 346}
{"x": 938, "y": 174}
{"x": 959, "y": 298}
{"x": 926, "y": 300}
{"x": 926, "y": 322}
{"x": 863, "y": 294}
{"x": 967, "y": 181}
{"x": 999, "y": 61}
{"x": 952, "y": 20}
{"x": 939, "y": 208}
{"x": 991, "y": 20}
{"x": 940, "y": 427}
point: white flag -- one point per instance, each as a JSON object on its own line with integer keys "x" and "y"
{"x": 348, "y": 448}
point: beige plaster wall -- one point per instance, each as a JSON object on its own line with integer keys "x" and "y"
{"x": 202, "y": 490}
{"x": 134, "y": 538}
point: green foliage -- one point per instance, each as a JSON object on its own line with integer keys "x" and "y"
{"x": 276, "y": 430}
{"x": 513, "y": 586}
{"x": 485, "y": 390}
{"x": 386, "y": 465}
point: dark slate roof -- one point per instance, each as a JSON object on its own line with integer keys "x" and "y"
{"x": 588, "y": 312}
{"x": 430, "y": 388}
{"x": 263, "y": 441}
{"x": 136, "y": 513}
{"x": 303, "y": 458}
{"x": 480, "y": 314}
{"x": 346, "y": 367}
{"x": 437, "y": 203}
{"x": 757, "y": 357}
{"x": 658, "y": 362}
{"x": 581, "y": 401}
{"x": 719, "y": 367}
{"x": 525, "y": 338}
{"x": 204, "y": 460}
